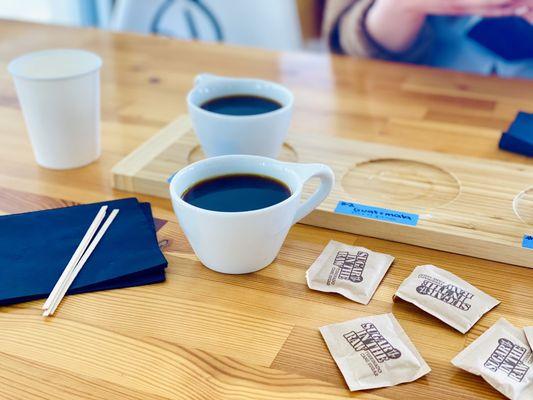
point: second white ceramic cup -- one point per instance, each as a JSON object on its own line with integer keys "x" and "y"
{"x": 220, "y": 134}
{"x": 59, "y": 93}
{"x": 242, "y": 242}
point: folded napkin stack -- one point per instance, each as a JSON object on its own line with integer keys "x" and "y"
{"x": 35, "y": 247}
{"x": 519, "y": 136}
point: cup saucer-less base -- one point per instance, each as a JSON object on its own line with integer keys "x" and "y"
{"x": 82, "y": 163}
{"x": 227, "y": 271}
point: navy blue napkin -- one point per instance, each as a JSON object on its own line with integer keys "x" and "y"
{"x": 522, "y": 127}
{"x": 519, "y": 136}
{"x": 35, "y": 247}
{"x": 509, "y": 37}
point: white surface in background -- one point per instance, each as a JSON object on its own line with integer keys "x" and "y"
{"x": 263, "y": 23}
{"x": 64, "y": 12}
{"x": 270, "y": 24}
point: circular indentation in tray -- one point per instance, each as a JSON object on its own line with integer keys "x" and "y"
{"x": 287, "y": 154}
{"x": 400, "y": 184}
{"x": 523, "y": 206}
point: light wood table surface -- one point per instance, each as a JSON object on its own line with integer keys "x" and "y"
{"x": 203, "y": 335}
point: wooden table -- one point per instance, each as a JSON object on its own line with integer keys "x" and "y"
{"x": 203, "y": 335}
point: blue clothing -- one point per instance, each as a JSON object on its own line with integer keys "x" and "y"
{"x": 452, "y": 48}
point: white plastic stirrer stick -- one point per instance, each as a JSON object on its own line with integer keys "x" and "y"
{"x": 79, "y": 266}
{"x": 76, "y": 256}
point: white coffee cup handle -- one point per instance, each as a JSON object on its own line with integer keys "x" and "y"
{"x": 327, "y": 180}
{"x": 204, "y": 79}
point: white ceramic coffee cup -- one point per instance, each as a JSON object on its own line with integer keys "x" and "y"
{"x": 220, "y": 134}
{"x": 242, "y": 242}
{"x": 59, "y": 93}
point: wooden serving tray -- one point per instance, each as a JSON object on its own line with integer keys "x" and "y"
{"x": 470, "y": 206}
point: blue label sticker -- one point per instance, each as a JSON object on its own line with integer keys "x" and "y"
{"x": 381, "y": 214}
{"x": 170, "y": 177}
{"x": 527, "y": 242}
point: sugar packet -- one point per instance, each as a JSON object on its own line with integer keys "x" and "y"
{"x": 445, "y": 296}
{"x": 503, "y": 358}
{"x": 373, "y": 352}
{"x": 354, "y": 272}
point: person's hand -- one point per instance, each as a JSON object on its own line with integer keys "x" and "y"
{"x": 526, "y": 12}
{"x": 395, "y": 24}
{"x": 484, "y": 8}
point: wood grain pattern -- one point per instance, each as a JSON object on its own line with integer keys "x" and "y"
{"x": 151, "y": 342}
{"x": 461, "y": 208}
{"x": 254, "y": 335}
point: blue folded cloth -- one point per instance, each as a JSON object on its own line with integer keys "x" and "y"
{"x": 522, "y": 127}
{"x": 510, "y": 143}
{"x": 35, "y": 247}
{"x": 509, "y": 37}
{"x": 519, "y": 136}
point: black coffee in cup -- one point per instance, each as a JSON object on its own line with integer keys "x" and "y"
{"x": 241, "y": 104}
{"x": 237, "y": 193}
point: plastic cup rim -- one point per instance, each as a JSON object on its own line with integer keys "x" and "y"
{"x": 12, "y": 66}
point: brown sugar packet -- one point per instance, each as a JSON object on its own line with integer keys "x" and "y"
{"x": 373, "y": 352}
{"x": 503, "y": 358}
{"x": 354, "y": 272}
{"x": 445, "y": 296}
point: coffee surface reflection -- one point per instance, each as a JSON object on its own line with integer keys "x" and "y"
{"x": 237, "y": 193}
{"x": 241, "y": 105}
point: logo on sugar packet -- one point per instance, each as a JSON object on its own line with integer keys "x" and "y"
{"x": 508, "y": 358}
{"x": 351, "y": 265}
{"x": 445, "y": 292}
{"x": 370, "y": 340}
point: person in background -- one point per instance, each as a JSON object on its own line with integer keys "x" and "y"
{"x": 436, "y": 32}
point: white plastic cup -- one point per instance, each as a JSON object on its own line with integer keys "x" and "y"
{"x": 59, "y": 92}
